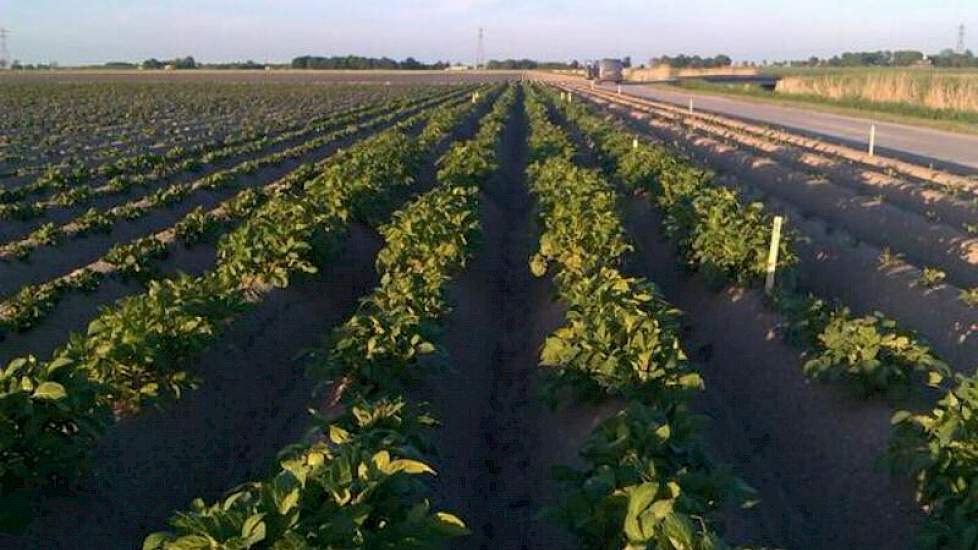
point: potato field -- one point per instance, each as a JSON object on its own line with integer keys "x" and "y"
{"x": 477, "y": 311}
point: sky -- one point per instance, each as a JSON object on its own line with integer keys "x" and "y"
{"x": 74, "y": 32}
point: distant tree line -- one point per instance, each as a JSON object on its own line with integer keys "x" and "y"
{"x": 886, "y": 58}
{"x": 181, "y": 63}
{"x": 16, "y": 65}
{"x": 234, "y": 66}
{"x": 529, "y": 65}
{"x": 355, "y": 62}
{"x": 683, "y": 61}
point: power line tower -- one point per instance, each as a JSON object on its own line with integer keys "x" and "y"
{"x": 480, "y": 51}
{"x": 960, "y": 48}
{"x": 4, "y": 54}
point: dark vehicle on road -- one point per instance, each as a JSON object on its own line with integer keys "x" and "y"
{"x": 610, "y": 70}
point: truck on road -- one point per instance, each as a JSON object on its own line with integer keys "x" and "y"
{"x": 610, "y": 70}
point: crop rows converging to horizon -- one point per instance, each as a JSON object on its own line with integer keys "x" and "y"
{"x": 490, "y": 314}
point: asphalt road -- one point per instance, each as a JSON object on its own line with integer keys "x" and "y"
{"x": 913, "y": 143}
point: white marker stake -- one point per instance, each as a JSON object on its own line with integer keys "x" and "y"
{"x": 690, "y": 105}
{"x": 634, "y": 143}
{"x": 772, "y": 256}
{"x": 619, "y": 89}
{"x": 872, "y": 140}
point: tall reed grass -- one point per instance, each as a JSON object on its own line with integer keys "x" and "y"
{"x": 923, "y": 88}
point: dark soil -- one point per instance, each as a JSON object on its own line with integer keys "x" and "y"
{"x": 76, "y": 310}
{"x": 48, "y": 262}
{"x": 810, "y": 450}
{"x": 499, "y": 439}
{"x": 251, "y": 403}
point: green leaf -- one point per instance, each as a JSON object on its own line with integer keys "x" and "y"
{"x": 639, "y": 498}
{"x": 900, "y": 416}
{"x": 450, "y": 525}
{"x": 552, "y": 352}
{"x": 338, "y": 435}
{"x": 192, "y": 542}
{"x": 51, "y": 391}
{"x": 287, "y": 503}
{"x": 538, "y": 265}
{"x": 679, "y": 531}
{"x": 408, "y": 466}
{"x": 155, "y": 541}
{"x": 253, "y": 529}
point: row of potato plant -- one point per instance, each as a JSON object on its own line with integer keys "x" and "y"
{"x": 25, "y": 309}
{"x": 936, "y": 449}
{"x": 73, "y": 188}
{"x": 359, "y": 481}
{"x": 135, "y": 352}
{"x": 158, "y": 136}
{"x": 646, "y": 480}
{"x": 94, "y": 221}
{"x": 726, "y": 240}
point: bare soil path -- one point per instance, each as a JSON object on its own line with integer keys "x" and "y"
{"x": 498, "y": 438}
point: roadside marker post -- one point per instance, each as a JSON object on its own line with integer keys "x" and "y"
{"x": 619, "y": 89}
{"x": 690, "y": 105}
{"x": 634, "y": 143}
{"x": 772, "y": 256}
{"x": 872, "y": 139}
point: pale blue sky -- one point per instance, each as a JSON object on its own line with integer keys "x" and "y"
{"x": 94, "y": 31}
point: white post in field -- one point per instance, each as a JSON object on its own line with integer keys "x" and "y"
{"x": 772, "y": 256}
{"x": 690, "y": 105}
{"x": 872, "y": 140}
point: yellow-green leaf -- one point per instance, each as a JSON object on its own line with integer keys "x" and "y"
{"x": 51, "y": 391}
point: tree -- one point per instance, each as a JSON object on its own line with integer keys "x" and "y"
{"x": 905, "y": 58}
{"x": 184, "y": 63}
